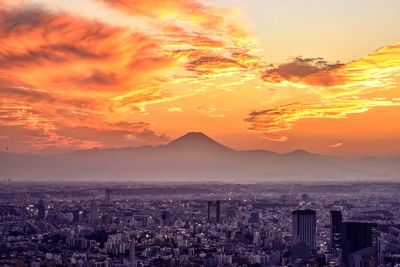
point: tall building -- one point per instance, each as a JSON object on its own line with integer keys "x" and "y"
{"x": 108, "y": 198}
{"x": 166, "y": 218}
{"x": 357, "y": 236}
{"x": 214, "y": 211}
{"x": 132, "y": 253}
{"x": 210, "y": 212}
{"x": 93, "y": 213}
{"x": 304, "y": 228}
{"x": 336, "y": 230}
{"x": 218, "y": 211}
{"x": 41, "y": 210}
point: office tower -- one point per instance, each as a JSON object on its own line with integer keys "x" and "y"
{"x": 336, "y": 230}
{"x": 166, "y": 218}
{"x": 357, "y": 236}
{"x": 304, "y": 228}
{"x": 108, "y": 198}
{"x": 209, "y": 211}
{"x": 214, "y": 211}
{"x": 218, "y": 211}
{"x": 132, "y": 253}
{"x": 93, "y": 213}
{"x": 41, "y": 210}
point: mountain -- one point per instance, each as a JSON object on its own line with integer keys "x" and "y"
{"x": 194, "y": 157}
{"x": 196, "y": 141}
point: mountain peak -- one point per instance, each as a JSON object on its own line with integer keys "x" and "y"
{"x": 300, "y": 152}
{"x": 197, "y": 140}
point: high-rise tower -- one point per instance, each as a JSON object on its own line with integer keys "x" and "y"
{"x": 108, "y": 198}
{"x": 336, "y": 230}
{"x": 304, "y": 228}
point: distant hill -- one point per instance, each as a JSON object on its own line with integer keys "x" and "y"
{"x": 194, "y": 157}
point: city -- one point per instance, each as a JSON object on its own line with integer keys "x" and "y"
{"x": 350, "y": 224}
{"x": 199, "y": 133}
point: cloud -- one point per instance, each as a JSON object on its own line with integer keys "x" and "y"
{"x": 336, "y": 145}
{"x": 209, "y": 43}
{"x": 188, "y": 11}
{"x": 336, "y": 90}
{"x": 78, "y": 74}
{"x": 175, "y": 109}
{"x": 374, "y": 70}
{"x": 271, "y": 122}
{"x": 66, "y": 74}
{"x": 212, "y": 112}
{"x": 303, "y": 70}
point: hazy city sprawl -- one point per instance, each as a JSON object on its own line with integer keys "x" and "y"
{"x": 350, "y": 224}
{"x": 199, "y": 133}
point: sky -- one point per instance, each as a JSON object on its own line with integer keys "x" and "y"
{"x": 280, "y": 75}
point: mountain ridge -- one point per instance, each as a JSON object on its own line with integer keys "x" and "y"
{"x": 193, "y": 156}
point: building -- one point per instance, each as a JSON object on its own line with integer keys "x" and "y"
{"x": 218, "y": 211}
{"x": 109, "y": 196}
{"x": 365, "y": 257}
{"x": 335, "y": 230}
{"x": 357, "y": 236}
{"x": 166, "y": 218}
{"x": 41, "y": 215}
{"x": 132, "y": 253}
{"x": 93, "y": 213}
{"x": 214, "y": 211}
{"x": 304, "y": 228}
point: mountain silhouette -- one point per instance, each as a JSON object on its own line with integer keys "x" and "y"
{"x": 196, "y": 141}
{"x": 194, "y": 157}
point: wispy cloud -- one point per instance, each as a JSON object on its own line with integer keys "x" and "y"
{"x": 271, "y": 122}
{"x": 336, "y": 145}
{"x": 77, "y": 74}
{"x": 338, "y": 90}
{"x": 212, "y": 112}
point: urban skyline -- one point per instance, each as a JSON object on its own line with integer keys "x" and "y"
{"x": 199, "y": 133}
{"x": 134, "y": 225}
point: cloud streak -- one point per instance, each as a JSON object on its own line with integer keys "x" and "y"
{"x": 338, "y": 90}
{"x": 271, "y": 122}
{"x": 78, "y": 74}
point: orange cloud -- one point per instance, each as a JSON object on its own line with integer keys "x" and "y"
{"x": 77, "y": 81}
{"x": 301, "y": 70}
{"x": 212, "y": 112}
{"x": 271, "y": 122}
{"x": 337, "y": 89}
{"x": 209, "y": 43}
{"x": 336, "y": 145}
{"x": 65, "y": 75}
{"x": 371, "y": 71}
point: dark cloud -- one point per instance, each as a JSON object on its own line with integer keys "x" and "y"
{"x": 212, "y": 64}
{"x": 313, "y": 71}
{"x": 26, "y": 94}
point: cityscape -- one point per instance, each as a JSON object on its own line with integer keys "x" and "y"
{"x": 199, "y": 133}
{"x": 175, "y": 224}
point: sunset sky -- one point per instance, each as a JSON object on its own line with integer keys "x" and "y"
{"x": 281, "y": 75}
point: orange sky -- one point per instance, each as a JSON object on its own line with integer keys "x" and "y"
{"x": 134, "y": 72}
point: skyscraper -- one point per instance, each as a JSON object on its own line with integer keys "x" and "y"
{"x": 218, "y": 211}
{"x": 41, "y": 210}
{"x": 214, "y": 211}
{"x": 132, "y": 253}
{"x": 108, "y": 198}
{"x": 304, "y": 228}
{"x": 93, "y": 213}
{"x": 357, "y": 236}
{"x": 336, "y": 230}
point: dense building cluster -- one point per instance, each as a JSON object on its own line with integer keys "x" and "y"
{"x": 231, "y": 226}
